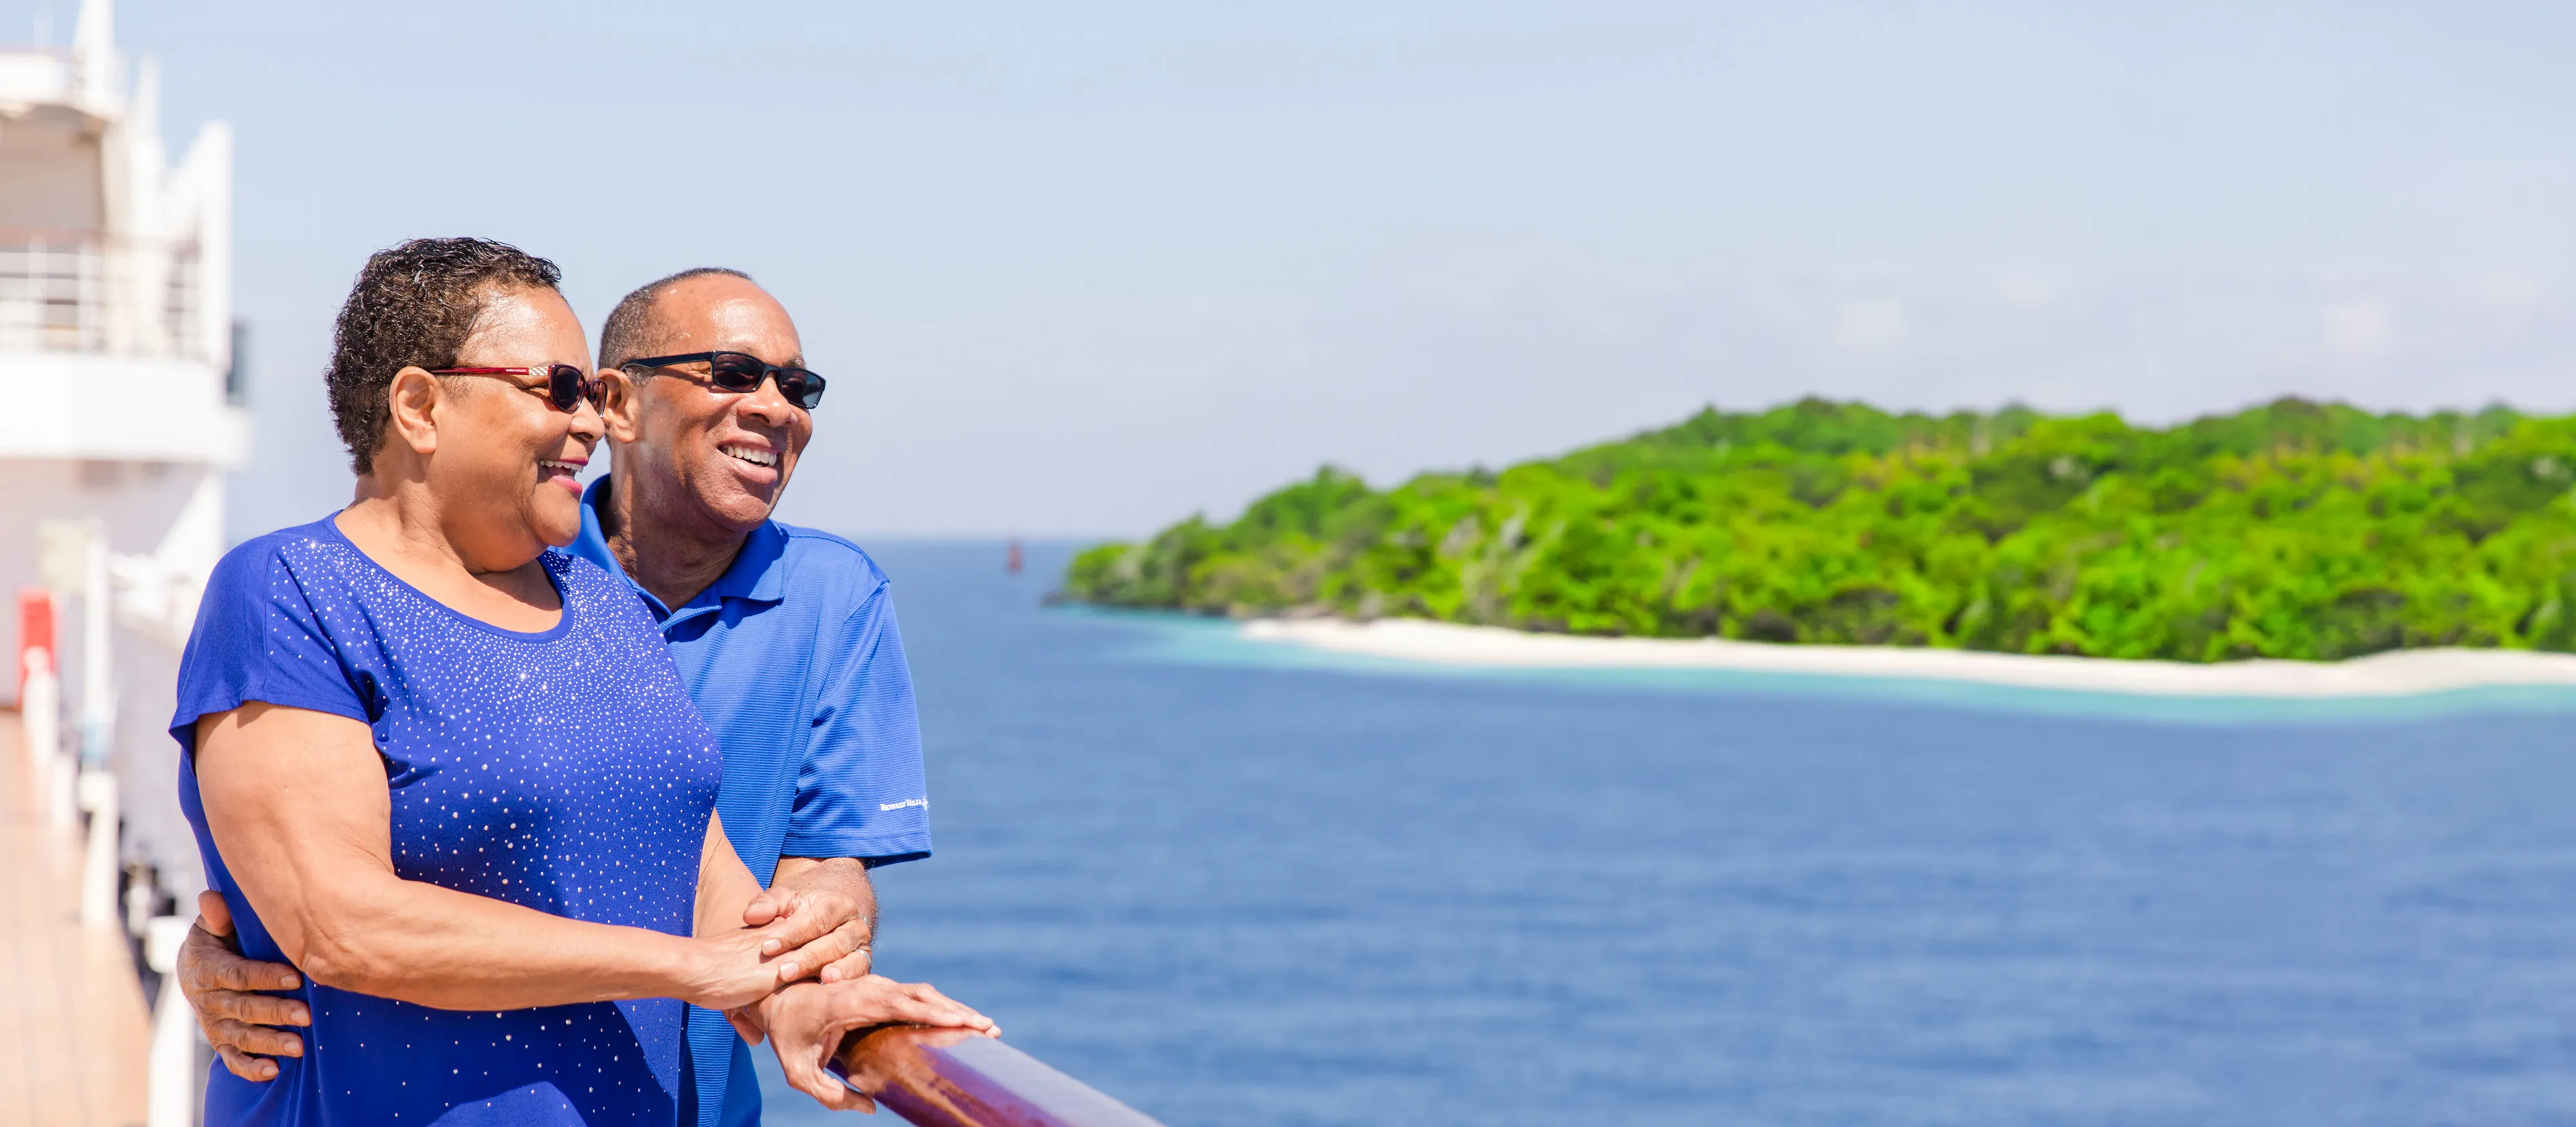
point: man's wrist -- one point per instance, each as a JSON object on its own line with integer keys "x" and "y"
{"x": 761, "y": 1015}
{"x": 826, "y": 871}
{"x": 832, "y": 876}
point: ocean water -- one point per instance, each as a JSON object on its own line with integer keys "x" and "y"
{"x": 1231, "y": 886}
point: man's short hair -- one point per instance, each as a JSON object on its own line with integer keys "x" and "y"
{"x": 414, "y": 305}
{"x": 630, "y": 331}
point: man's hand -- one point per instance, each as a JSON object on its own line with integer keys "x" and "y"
{"x": 218, "y": 982}
{"x": 805, "y": 1023}
{"x": 832, "y": 886}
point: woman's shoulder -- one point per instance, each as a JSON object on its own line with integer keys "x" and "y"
{"x": 298, "y": 555}
{"x": 272, "y": 626}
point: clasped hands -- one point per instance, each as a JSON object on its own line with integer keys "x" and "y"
{"x": 797, "y": 975}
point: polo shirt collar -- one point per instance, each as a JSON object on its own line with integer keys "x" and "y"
{"x": 592, "y": 543}
{"x": 758, "y": 573}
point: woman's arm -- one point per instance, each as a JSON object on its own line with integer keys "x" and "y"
{"x": 725, "y": 885}
{"x": 296, "y": 801}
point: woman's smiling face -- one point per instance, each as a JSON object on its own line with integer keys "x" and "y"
{"x": 507, "y": 461}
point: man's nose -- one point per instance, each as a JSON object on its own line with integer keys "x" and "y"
{"x": 768, "y": 404}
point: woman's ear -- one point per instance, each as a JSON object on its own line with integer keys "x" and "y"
{"x": 622, "y": 395}
{"x": 413, "y": 400}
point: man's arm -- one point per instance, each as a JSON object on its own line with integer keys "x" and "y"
{"x": 860, "y": 801}
{"x": 860, "y": 790}
{"x": 219, "y": 983}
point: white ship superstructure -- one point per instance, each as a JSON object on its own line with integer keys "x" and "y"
{"x": 121, "y": 411}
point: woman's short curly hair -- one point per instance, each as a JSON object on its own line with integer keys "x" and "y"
{"x": 413, "y": 306}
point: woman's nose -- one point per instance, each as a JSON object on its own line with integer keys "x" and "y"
{"x": 586, "y": 424}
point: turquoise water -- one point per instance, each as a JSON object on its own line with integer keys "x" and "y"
{"x": 1246, "y": 884}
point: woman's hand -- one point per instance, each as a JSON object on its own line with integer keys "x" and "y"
{"x": 810, "y": 931}
{"x": 806, "y": 1022}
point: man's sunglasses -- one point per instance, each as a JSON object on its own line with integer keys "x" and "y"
{"x": 742, "y": 374}
{"x": 565, "y": 385}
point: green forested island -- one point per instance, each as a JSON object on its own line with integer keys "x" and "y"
{"x": 2292, "y": 530}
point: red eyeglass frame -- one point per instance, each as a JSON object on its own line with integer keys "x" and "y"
{"x": 594, "y": 390}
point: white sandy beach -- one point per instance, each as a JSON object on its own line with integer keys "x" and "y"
{"x": 2401, "y": 673}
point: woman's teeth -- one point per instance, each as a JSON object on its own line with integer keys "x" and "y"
{"x": 753, "y": 456}
{"x": 558, "y": 467}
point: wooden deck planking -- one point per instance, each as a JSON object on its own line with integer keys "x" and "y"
{"x": 73, "y": 1024}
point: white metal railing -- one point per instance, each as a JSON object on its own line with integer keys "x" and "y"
{"x": 84, "y": 292}
{"x": 171, "y": 1079}
{"x": 40, "y": 713}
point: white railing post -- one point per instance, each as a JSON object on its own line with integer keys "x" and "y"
{"x": 171, "y": 1100}
{"x": 98, "y": 868}
{"x": 63, "y": 781}
{"x": 40, "y": 716}
{"x": 98, "y": 685}
{"x": 72, "y": 555}
{"x": 40, "y": 724}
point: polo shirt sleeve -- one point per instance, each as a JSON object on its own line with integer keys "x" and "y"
{"x": 860, "y": 791}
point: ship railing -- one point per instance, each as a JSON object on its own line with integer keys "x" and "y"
{"x": 931, "y": 1077}
{"x": 87, "y": 291}
{"x": 73, "y": 794}
{"x": 956, "y": 1078}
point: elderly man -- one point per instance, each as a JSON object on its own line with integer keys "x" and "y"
{"x": 786, "y": 637}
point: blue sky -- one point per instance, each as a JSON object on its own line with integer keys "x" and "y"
{"x": 1080, "y": 270}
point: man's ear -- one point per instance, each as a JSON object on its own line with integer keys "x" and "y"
{"x": 413, "y": 399}
{"x": 617, "y": 411}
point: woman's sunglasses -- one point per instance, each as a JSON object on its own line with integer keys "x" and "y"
{"x": 742, "y": 374}
{"x": 566, "y": 388}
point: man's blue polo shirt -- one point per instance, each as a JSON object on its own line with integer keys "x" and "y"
{"x": 793, "y": 658}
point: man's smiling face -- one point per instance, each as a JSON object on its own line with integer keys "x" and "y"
{"x": 731, "y": 451}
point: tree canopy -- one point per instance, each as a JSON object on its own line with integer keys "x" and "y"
{"x": 2291, "y": 530}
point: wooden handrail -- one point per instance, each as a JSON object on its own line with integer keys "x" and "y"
{"x": 957, "y": 1078}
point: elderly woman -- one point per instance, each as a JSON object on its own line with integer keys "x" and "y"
{"x": 451, "y": 773}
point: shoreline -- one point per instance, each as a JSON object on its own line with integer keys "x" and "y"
{"x": 2398, "y": 673}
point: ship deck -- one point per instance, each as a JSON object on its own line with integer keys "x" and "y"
{"x": 73, "y": 1023}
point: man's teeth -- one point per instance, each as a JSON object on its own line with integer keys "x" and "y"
{"x": 550, "y": 464}
{"x": 755, "y": 457}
